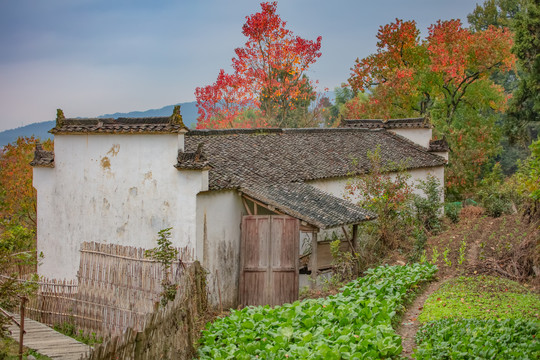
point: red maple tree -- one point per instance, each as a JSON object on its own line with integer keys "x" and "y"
{"x": 446, "y": 75}
{"x": 269, "y": 76}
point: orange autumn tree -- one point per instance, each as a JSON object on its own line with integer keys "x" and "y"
{"x": 17, "y": 195}
{"x": 269, "y": 82}
{"x": 445, "y": 76}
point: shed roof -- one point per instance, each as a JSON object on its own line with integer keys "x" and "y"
{"x": 274, "y": 156}
{"x": 309, "y": 204}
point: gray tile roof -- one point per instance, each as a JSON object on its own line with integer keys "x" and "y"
{"x": 155, "y": 125}
{"x": 412, "y": 123}
{"x": 309, "y": 204}
{"x": 275, "y": 156}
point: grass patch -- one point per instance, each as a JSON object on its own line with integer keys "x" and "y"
{"x": 478, "y": 339}
{"x": 68, "y": 329}
{"x": 481, "y": 297}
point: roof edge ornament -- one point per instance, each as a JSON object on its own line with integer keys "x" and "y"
{"x": 42, "y": 158}
{"x": 60, "y": 118}
{"x": 176, "y": 117}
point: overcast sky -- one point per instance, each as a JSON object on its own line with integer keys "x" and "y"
{"x": 91, "y": 57}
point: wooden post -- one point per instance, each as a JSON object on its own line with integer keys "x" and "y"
{"x": 355, "y": 247}
{"x": 314, "y": 268}
{"x": 355, "y": 237}
{"x": 21, "y": 330}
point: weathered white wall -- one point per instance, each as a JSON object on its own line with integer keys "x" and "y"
{"x": 443, "y": 154}
{"x": 219, "y": 219}
{"x": 420, "y": 136}
{"x": 337, "y": 186}
{"x": 118, "y": 189}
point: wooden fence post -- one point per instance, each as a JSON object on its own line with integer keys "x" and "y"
{"x": 21, "y": 330}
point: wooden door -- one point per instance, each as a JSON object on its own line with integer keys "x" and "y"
{"x": 269, "y": 260}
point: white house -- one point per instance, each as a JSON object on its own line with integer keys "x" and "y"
{"x": 237, "y": 198}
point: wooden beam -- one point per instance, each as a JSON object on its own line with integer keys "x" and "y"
{"x": 308, "y": 228}
{"x": 248, "y": 210}
{"x": 348, "y": 239}
{"x": 314, "y": 265}
{"x": 263, "y": 205}
{"x": 355, "y": 236}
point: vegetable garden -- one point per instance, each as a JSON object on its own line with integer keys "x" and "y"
{"x": 354, "y": 324}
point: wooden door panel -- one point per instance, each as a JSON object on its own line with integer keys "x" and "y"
{"x": 284, "y": 287}
{"x": 255, "y": 288}
{"x": 269, "y": 260}
{"x": 285, "y": 234}
{"x": 256, "y": 248}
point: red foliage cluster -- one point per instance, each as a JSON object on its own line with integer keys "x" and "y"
{"x": 268, "y": 76}
{"x": 405, "y": 71}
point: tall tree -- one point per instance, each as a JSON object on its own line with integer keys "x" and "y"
{"x": 269, "y": 76}
{"x": 447, "y": 76}
{"x": 498, "y": 13}
{"x": 525, "y": 105}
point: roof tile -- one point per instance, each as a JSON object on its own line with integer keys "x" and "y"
{"x": 243, "y": 157}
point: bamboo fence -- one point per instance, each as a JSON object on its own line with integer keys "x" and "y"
{"x": 170, "y": 332}
{"x": 116, "y": 287}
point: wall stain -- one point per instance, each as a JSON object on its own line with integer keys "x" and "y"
{"x": 133, "y": 191}
{"x": 205, "y": 242}
{"x": 106, "y": 204}
{"x": 114, "y": 150}
{"x": 105, "y": 163}
{"x": 120, "y": 231}
{"x": 147, "y": 176}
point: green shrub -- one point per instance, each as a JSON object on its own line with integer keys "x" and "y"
{"x": 451, "y": 210}
{"x": 165, "y": 254}
{"x": 494, "y": 195}
{"x": 496, "y": 205}
{"x": 428, "y": 207}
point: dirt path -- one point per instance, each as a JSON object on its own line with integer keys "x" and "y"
{"x": 409, "y": 323}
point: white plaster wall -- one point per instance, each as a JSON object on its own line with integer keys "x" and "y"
{"x": 219, "y": 219}
{"x": 443, "y": 154}
{"x": 419, "y": 136}
{"x": 337, "y": 186}
{"x": 118, "y": 189}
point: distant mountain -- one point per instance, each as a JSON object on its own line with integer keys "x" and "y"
{"x": 188, "y": 110}
{"x": 36, "y": 129}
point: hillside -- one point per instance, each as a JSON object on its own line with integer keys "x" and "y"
{"x": 189, "y": 113}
